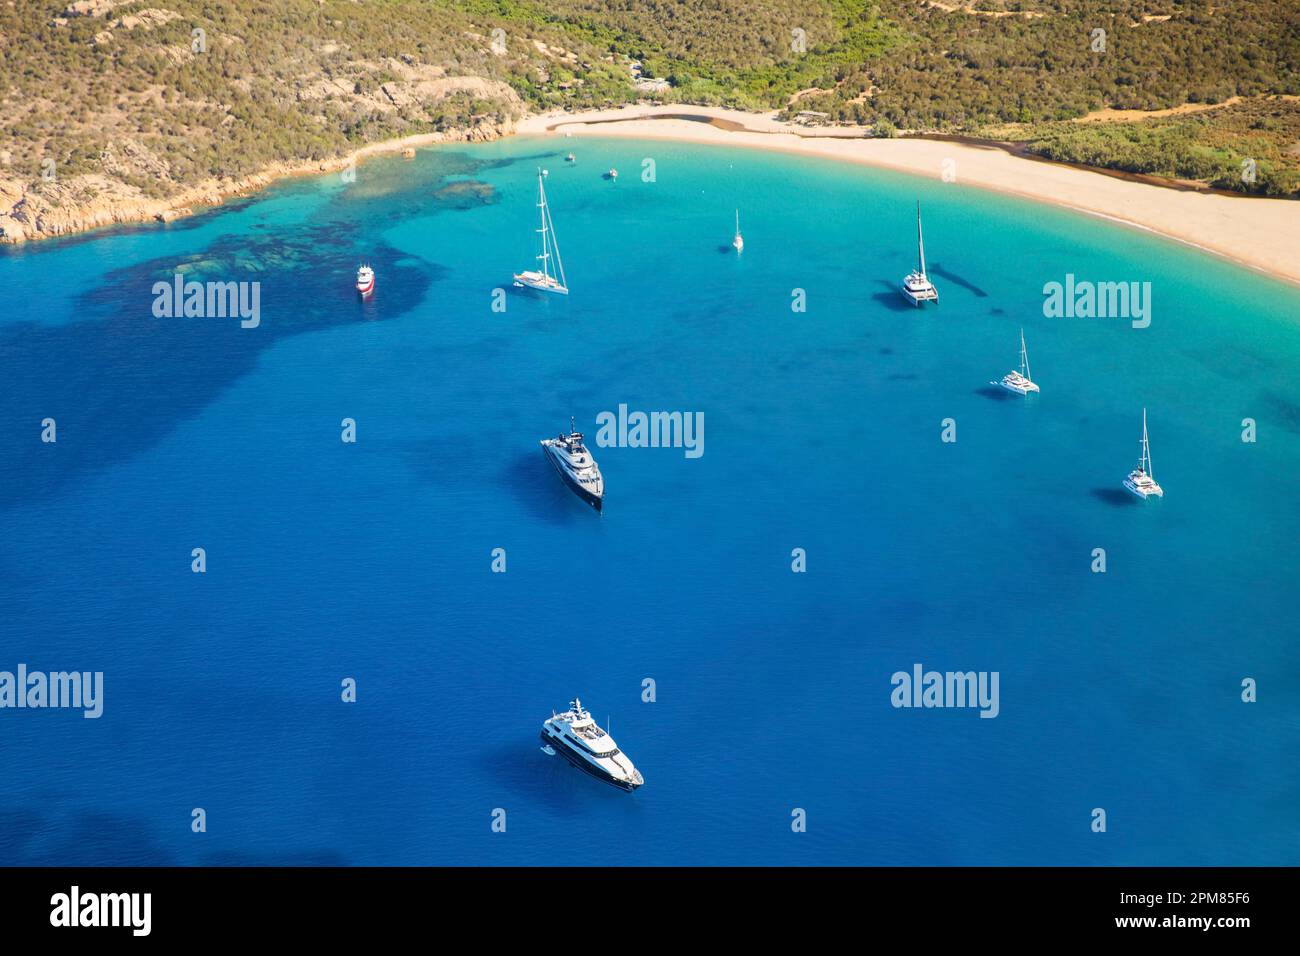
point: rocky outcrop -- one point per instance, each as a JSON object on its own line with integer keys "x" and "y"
{"x": 93, "y": 8}
{"x": 145, "y": 19}
{"x": 421, "y": 86}
{"x": 41, "y": 210}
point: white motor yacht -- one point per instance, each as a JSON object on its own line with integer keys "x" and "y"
{"x": 573, "y": 461}
{"x": 576, "y": 737}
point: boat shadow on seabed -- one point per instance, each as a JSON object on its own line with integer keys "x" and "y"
{"x": 891, "y": 297}
{"x": 540, "y": 492}
{"x": 1115, "y": 497}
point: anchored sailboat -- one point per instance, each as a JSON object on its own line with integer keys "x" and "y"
{"x": 1140, "y": 481}
{"x": 545, "y": 279}
{"x": 1019, "y": 382}
{"x": 917, "y": 286}
{"x": 738, "y": 243}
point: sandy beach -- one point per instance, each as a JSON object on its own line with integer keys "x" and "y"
{"x": 1263, "y": 234}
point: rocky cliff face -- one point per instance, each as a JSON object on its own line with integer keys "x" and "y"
{"x": 43, "y": 209}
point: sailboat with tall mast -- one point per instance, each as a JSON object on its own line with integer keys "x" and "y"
{"x": 549, "y": 278}
{"x": 1019, "y": 382}
{"x": 917, "y": 286}
{"x": 738, "y": 243}
{"x": 1140, "y": 481}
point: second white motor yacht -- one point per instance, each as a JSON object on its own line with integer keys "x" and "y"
{"x": 573, "y": 461}
{"x": 575, "y": 736}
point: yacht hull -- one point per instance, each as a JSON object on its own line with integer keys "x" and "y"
{"x": 586, "y": 766}
{"x": 917, "y": 298}
{"x": 1020, "y": 390}
{"x": 539, "y": 283}
{"x": 1143, "y": 494}
{"x": 594, "y": 500}
{"x": 1143, "y": 490}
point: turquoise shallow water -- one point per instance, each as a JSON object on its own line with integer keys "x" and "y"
{"x": 372, "y": 561}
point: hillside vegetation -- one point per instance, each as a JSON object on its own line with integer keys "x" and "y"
{"x": 1253, "y": 146}
{"x": 148, "y": 96}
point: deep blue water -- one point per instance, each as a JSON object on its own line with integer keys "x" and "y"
{"x": 372, "y": 560}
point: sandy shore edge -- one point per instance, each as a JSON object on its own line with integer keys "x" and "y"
{"x": 1261, "y": 234}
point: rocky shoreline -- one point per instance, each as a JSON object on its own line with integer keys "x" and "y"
{"x": 44, "y": 210}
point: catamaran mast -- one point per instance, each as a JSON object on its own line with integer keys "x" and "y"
{"x": 1024, "y": 357}
{"x": 920, "y": 242}
{"x": 1145, "y": 464}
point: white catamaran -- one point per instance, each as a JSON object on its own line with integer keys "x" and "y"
{"x": 917, "y": 286}
{"x": 546, "y": 279}
{"x": 738, "y": 243}
{"x": 1140, "y": 481}
{"x": 1019, "y": 382}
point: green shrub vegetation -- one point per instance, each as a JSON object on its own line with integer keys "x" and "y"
{"x": 122, "y": 94}
{"x": 1247, "y": 147}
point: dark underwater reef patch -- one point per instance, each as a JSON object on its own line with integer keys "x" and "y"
{"x": 117, "y": 379}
